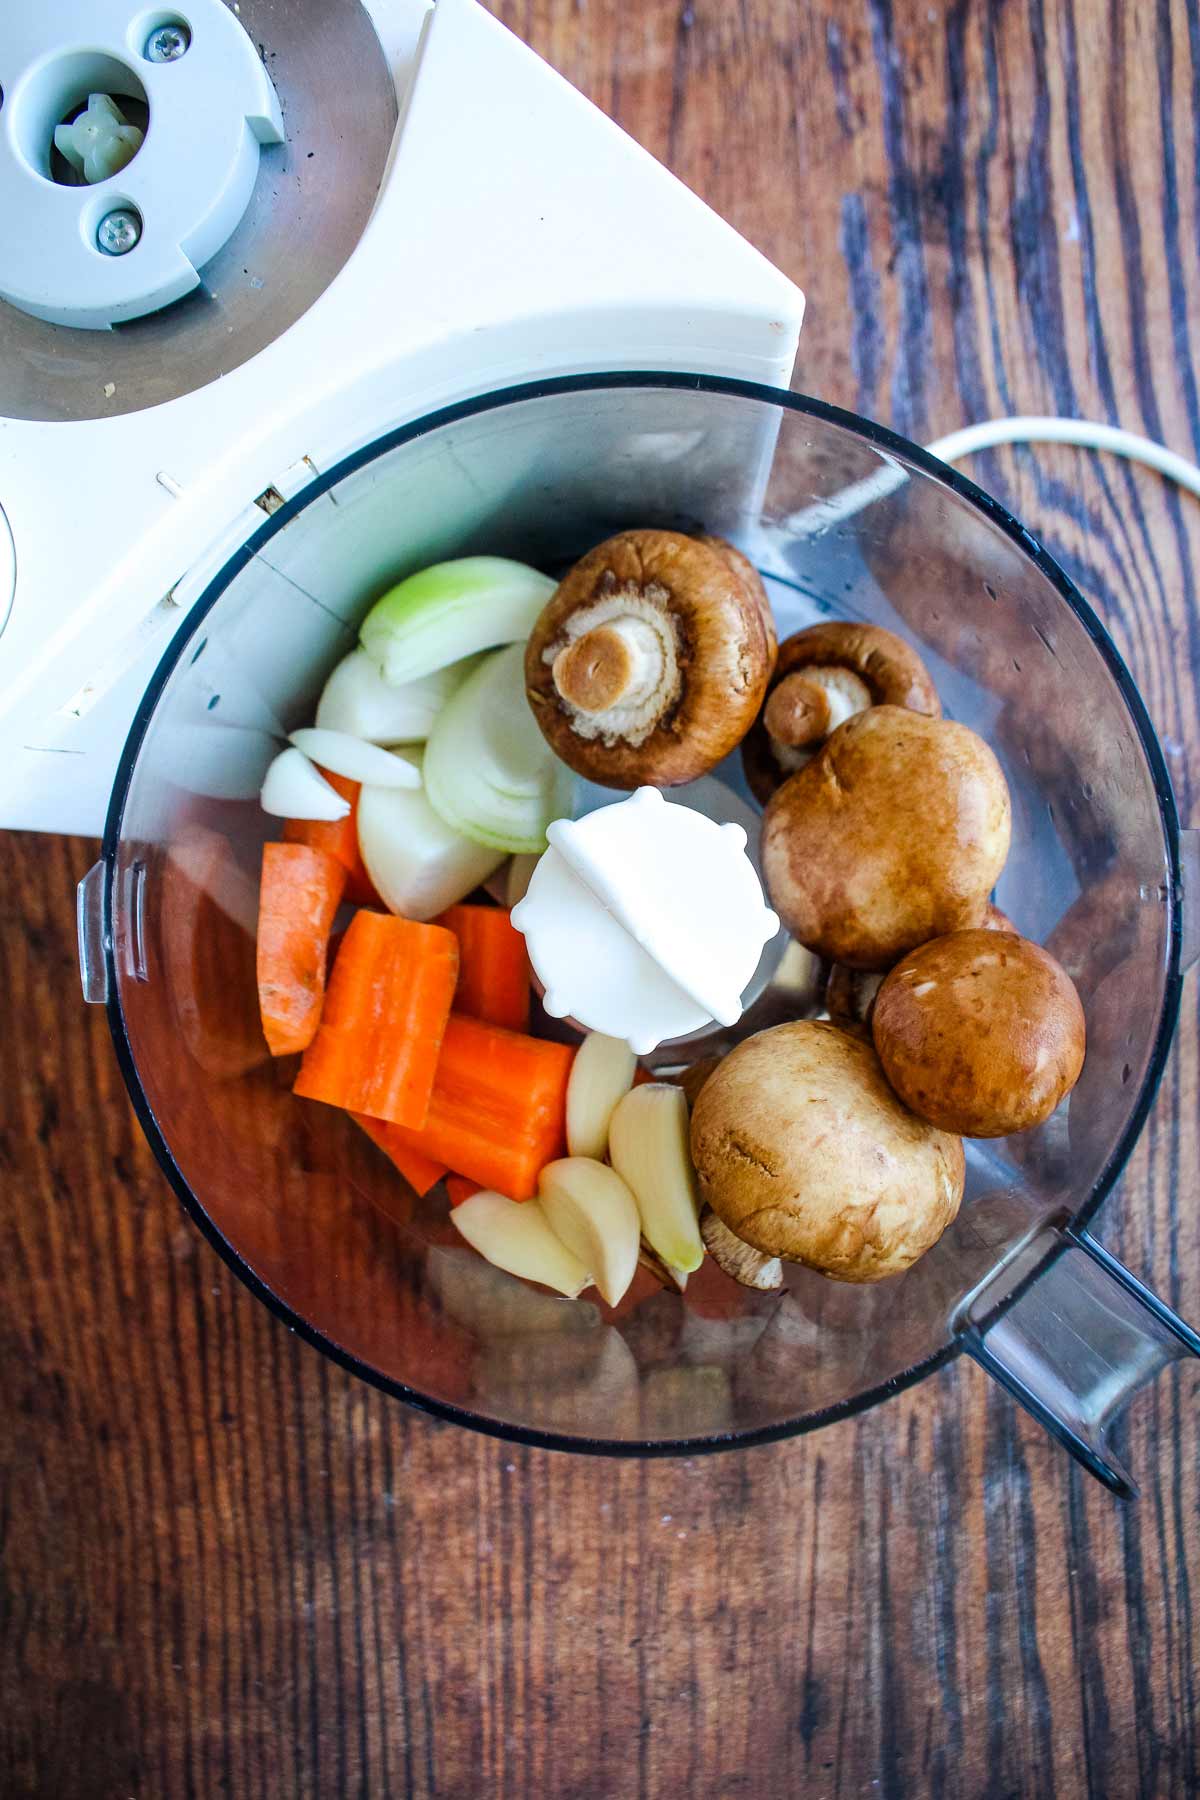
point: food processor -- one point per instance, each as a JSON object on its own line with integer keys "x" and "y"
{"x": 433, "y": 212}
{"x": 445, "y": 393}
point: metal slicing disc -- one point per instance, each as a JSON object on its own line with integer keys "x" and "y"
{"x": 312, "y": 199}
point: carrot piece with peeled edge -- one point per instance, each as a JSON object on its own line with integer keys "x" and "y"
{"x": 420, "y": 1171}
{"x": 338, "y": 837}
{"x": 300, "y": 891}
{"x": 498, "y": 1111}
{"x": 389, "y": 998}
{"x": 493, "y": 970}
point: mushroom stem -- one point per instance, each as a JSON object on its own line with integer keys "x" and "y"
{"x": 733, "y": 1256}
{"x": 805, "y": 708}
{"x": 619, "y": 663}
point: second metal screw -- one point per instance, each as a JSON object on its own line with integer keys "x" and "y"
{"x": 167, "y": 44}
{"x": 118, "y": 231}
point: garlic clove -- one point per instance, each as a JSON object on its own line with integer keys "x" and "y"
{"x": 602, "y": 1072}
{"x": 516, "y": 1236}
{"x": 590, "y": 1208}
{"x": 664, "y": 1273}
{"x": 649, "y": 1148}
{"x": 294, "y": 789}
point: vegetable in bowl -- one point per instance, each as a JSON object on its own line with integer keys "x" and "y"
{"x": 442, "y": 757}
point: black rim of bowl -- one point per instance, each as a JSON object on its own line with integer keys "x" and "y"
{"x": 882, "y": 438}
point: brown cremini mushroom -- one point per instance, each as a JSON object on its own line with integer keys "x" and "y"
{"x": 650, "y": 662}
{"x": 736, "y": 1258}
{"x": 803, "y": 1150}
{"x": 850, "y": 993}
{"x": 893, "y": 834}
{"x": 980, "y": 1032}
{"x": 741, "y": 565}
{"x": 823, "y": 676}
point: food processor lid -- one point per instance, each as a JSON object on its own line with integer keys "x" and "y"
{"x": 468, "y": 261}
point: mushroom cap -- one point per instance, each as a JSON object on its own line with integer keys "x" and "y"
{"x": 890, "y": 669}
{"x": 893, "y": 834}
{"x": 741, "y": 565}
{"x": 980, "y": 1032}
{"x": 803, "y": 1150}
{"x": 698, "y": 595}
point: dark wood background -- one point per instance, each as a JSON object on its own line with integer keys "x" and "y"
{"x": 229, "y": 1569}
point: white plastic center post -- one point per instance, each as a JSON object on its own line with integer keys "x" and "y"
{"x": 181, "y": 193}
{"x": 645, "y": 920}
{"x": 100, "y": 142}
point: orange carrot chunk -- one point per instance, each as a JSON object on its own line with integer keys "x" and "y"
{"x": 460, "y": 1189}
{"x": 385, "y": 1013}
{"x": 338, "y": 837}
{"x": 420, "y": 1172}
{"x": 300, "y": 892}
{"x": 498, "y": 1111}
{"x": 493, "y": 969}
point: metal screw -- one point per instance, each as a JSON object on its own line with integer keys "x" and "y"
{"x": 167, "y": 44}
{"x": 118, "y": 231}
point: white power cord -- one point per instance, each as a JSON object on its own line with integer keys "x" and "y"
{"x": 1080, "y": 432}
{"x": 822, "y": 515}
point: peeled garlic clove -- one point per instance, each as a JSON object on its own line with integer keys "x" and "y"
{"x": 602, "y": 1072}
{"x": 356, "y": 699}
{"x": 349, "y": 756}
{"x": 294, "y": 789}
{"x": 590, "y": 1208}
{"x": 664, "y": 1273}
{"x": 648, "y": 1146}
{"x": 742, "y": 1261}
{"x": 515, "y": 1236}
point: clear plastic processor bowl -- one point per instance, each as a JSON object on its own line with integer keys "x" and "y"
{"x": 844, "y": 518}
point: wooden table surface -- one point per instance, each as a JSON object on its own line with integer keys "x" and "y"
{"x": 229, "y": 1568}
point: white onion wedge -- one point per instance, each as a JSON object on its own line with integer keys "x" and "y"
{"x": 515, "y": 1236}
{"x": 590, "y": 1208}
{"x": 344, "y": 755}
{"x": 488, "y": 770}
{"x": 602, "y": 1072}
{"x": 446, "y": 612}
{"x": 357, "y": 699}
{"x": 418, "y": 864}
{"x": 649, "y": 1145}
{"x": 294, "y": 789}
